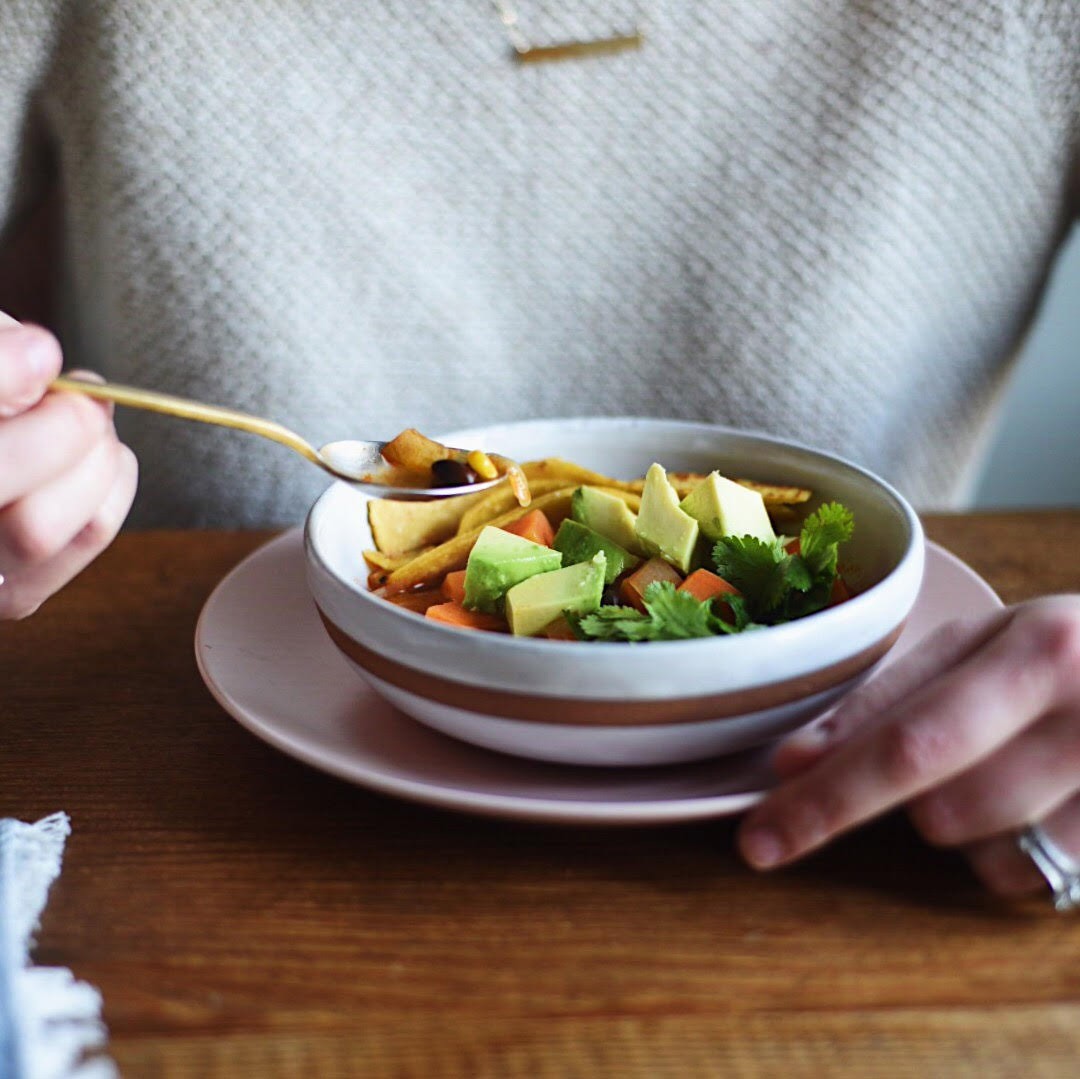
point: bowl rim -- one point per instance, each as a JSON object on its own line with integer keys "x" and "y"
{"x": 783, "y": 633}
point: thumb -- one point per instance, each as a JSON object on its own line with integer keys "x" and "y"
{"x": 29, "y": 360}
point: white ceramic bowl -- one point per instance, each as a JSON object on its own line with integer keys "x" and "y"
{"x": 602, "y": 703}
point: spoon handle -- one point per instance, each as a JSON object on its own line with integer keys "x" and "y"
{"x": 153, "y": 401}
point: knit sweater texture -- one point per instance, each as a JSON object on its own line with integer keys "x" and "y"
{"x": 827, "y": 219}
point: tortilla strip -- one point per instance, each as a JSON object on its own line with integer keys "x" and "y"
{"x": 775, "y": 494}
{"x": 501, "y": 499}
{"x": 400, "y": 527}
{"x": 390, "y": 562}
{"x": 557, "y": 468}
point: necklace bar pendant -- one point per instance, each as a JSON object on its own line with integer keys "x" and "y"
{"x": 576, "y": 50}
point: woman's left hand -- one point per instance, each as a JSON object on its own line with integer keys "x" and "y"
{"x": 976, "y": 732}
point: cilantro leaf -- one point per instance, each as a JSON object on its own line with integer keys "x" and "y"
{"x": 678, "y": 614}
{"x": 754, "y": 567}
{"x": 669, "y": 615}
{"x": 612, "y": 623}
{"x": 779, "y": 586}
{"x": 822, "y": 534}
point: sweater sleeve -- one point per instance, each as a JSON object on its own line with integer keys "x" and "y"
{"x": 26, "y": 35}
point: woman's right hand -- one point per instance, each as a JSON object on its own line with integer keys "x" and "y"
{"x": 66, "y": 480}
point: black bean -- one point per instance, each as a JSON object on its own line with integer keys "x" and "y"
{"x": 450, "y": 473}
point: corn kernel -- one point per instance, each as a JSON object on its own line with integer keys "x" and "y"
{"x": 482, "y": 465}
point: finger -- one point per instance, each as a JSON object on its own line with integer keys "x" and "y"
{"x": 46, "y": 441}
{"x": 946, "y": 647}
{"x": 38, "y": 526}
{"x": 1007, "y": 871}
{"x": 29, "y": 360}
{"x": 939, "y": 731}
{"x": 1024, "y": 781}
{"x": 25, "y": 591}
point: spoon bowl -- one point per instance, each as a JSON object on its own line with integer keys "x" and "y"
{"x": 356, "y": 461}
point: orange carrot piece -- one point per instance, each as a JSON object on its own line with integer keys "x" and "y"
{"x": 453, "y": 586}
{"x": 559, "y": 630}
{"x": 632, "y": 589}
{"x": 533, "y": 526}
{"x": 453, "y": 614}
{"x": 703, "y": 584}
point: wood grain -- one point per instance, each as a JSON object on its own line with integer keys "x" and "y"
{"x": 245, "y": 915}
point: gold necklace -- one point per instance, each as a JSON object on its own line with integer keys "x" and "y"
{"x": 525, "y": 52}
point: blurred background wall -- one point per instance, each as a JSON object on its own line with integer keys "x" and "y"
{"x": 1034, "y": 459}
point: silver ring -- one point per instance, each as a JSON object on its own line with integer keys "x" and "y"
{"x": 1059, "y": 870}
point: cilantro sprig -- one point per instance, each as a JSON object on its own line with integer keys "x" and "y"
{"x": 774, "y": 585}
{"x": 780, "y": 585}
{"x": 669, "y": 615}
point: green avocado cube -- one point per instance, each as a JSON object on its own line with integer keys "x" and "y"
{"x": 498, "y": 561}
{"x": 725, "y": 508}
{"x": 607, "y": 514}
{"x": 662, "y": 527}
{"x": 579, "y": 543}
{"x": 536, "y": 603}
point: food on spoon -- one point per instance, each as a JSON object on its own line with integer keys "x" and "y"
{"x": 426, "y": 463}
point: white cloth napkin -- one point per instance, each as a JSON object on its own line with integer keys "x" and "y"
{"x": 50, "y": 1024}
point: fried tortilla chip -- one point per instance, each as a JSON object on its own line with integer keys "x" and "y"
{"x": 413, "y": 451}
{"x": 400, "y": 527}
{"x": 501, "y": 499}
{"x": 777, "y": 495}
{"x": 557, "y": 468}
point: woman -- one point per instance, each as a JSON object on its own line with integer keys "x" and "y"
{"x": 827, "y": 218}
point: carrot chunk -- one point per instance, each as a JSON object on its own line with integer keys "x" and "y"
{"x": 703, "y": 585}
{"x": 560, "y": 630}
{"x": 453, "y": 614}
{"x": 453, "y": 586}
{"x": 533, "y": 526}
{"x": 632, "y": 589}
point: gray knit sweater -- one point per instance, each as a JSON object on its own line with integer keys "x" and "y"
{"x": 821, "y": 218}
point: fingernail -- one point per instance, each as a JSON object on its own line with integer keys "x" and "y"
{"x": 40, "y": 354}
{"x": 762, "y": 847}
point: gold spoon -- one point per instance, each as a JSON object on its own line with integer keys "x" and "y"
{"x": 356, "y": 461}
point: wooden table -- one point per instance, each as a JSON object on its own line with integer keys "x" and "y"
{"x": 245, "y": 915}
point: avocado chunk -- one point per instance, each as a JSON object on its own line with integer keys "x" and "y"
{"x": 579, "y": 543}
{"x": 534, "y": 604}
{"x": 725, "y": 508}
{"x": 607, "y": 514}
{"x": 498, "y": 561}
{"x": 662, "y": 527}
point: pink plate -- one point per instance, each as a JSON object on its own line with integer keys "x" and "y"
{"x": 266, "y": 658}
